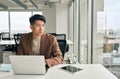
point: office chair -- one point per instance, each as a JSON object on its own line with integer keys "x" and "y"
{"x": 61, "y": 39}
{"x": 5, "y": 36}
{"x": 17, "y": 40}
{"x": 59, "y": 36}
{"x": 0, "y": 36}
{"x": 62, "y": 46}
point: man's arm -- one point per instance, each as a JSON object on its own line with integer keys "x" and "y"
{"x": 57, "y": 55}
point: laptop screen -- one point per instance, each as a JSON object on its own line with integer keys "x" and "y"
{"x": 22, "y": 64}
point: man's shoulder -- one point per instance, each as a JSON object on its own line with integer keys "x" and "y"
{"x": 26, "y": 35}
{"x": 47, "y": 35}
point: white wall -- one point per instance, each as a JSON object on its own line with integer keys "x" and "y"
{"x": 57, "y": 18}
{"x": 50, "y": 14}
{"x": 62, "y": 18}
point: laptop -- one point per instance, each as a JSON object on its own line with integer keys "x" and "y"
{"x": 22, "y": 64}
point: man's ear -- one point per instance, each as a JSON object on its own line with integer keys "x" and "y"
{"x": 31, "y": 27}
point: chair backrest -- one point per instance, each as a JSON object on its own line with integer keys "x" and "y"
{"x": 59, "y": 36}
{"x": 61, "y": 39}
{"x": 62, "y": 46}
{"x": 17, "y": 40}
{"x": 0, "y": 36}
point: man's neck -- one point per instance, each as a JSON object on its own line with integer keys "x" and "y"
{"x": 37, "y": 36}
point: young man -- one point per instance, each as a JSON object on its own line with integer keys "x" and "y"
{"x": 38, "y": 42}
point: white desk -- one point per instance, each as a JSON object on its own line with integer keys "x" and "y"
{"x": 12, "y": 42}
{"x": 7, "y": 42}
{"x": 90, "y": 71}
{"x": 4, "y": 43}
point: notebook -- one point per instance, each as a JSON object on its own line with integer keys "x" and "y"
{"x": 22, "y": 64}
{"x": 5, "y": 68}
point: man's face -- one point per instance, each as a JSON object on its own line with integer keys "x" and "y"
{"x": 38, "y": 27}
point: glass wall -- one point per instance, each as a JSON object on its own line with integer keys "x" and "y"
{"x": 78, "y": 30}
{"x": 73, "y": 27}
{"x": 83, "y": 31}
{"x": 108, "y": 30}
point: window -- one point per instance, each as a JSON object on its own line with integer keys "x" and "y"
{"x": 108, "y": 30}
{"x": 4, "y": 24}
{"x": 37, "y": 13}
{"x": 19, "y": 21}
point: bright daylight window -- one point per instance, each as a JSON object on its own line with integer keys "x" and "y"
{"x": 108, "y": 20}
{"x": 108, "y": 26}
{"x": 4, "y": 24}
{"x": 18, "y": 22}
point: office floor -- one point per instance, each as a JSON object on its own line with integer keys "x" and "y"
{"x": 115, "y": 71}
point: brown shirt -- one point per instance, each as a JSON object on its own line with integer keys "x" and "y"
{"x": 48, "y": 47}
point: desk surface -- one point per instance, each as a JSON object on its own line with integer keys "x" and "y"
{"x": 90, "y": 71}
{"x": 7, "y": 42}
{"x": 12, "y": 42}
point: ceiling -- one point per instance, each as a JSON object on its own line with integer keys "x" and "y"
{"x": 25, "y": 4}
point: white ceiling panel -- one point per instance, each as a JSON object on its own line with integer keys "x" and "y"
{"x": 54, "y": 0}
{"x": 25, "y": 4}
{"x": 8, "y": 3}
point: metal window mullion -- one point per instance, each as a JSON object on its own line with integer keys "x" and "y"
{"x": 9, "y": 24}
{"x": 90, "y": 31}
{"x": 79, "y": 31}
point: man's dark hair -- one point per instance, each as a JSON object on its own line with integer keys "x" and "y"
{"x": 35, "y": 17}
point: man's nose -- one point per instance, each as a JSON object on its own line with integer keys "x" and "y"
{"x": 40, "y": 27}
